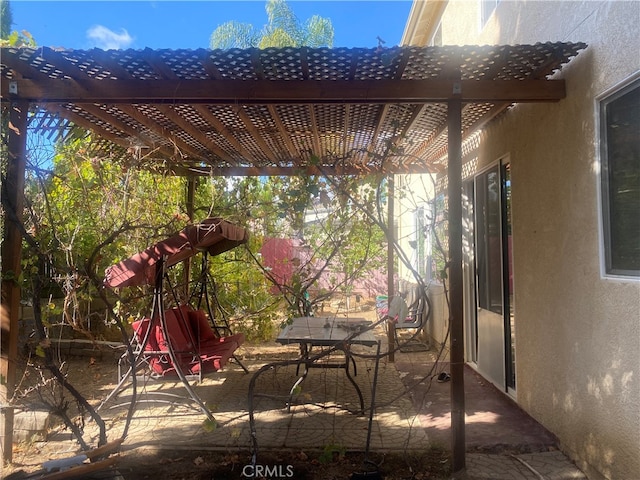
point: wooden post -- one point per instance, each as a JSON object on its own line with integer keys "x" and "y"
{"x": 13, "y": 193}
{"x": 190, "y": 204}
{"x": 456, "y": 317}
{"x": 391, "y": 336}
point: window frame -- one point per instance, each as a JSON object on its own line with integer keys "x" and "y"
{"x": 487, "y": 7}
{"x": 604, "y": 218}
{"x": 422, "y": 256}
{"x": 488, "y": 226}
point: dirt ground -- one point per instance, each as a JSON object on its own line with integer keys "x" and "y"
{"x": 322, "y": 465}
{"x": 202, "y": 465}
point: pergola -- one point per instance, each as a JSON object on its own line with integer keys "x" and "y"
{"x": 288, "y": 111}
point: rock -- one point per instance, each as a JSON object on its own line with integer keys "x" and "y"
{"x": 31, "y": 425}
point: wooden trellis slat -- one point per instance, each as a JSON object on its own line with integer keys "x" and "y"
{"x": 275, "y": 110}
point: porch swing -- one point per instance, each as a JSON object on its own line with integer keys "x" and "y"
{"x": 206, "y": 303}
{"x": 183, "y": 341}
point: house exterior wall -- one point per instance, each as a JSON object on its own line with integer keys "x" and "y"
{"x": 577, "y": 332}
{"x": 412, "y": 193}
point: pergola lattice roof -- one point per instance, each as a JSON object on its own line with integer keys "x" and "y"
{"x": 279, "y": 111}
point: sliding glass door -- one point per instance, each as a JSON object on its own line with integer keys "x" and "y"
{"x": 495, "y": 316}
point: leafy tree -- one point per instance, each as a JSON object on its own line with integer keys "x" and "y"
{"x": 82, "y": 201}
{"x": 282, "y": 30}
{"x": 6, "y": 19}
{"x": 9, "y": 37}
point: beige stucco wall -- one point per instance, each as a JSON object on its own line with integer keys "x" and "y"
{"x": 412, "y": 192}
{"x": 577, "y": 333}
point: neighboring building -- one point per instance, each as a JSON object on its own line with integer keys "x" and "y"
{"x": 418, "y": 215}
{"x": 286, "y": 257}
{"x": 552, "y": 285}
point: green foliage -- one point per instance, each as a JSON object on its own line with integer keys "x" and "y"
{"x": 282, "y": 30}
{"x": 347, "y": 242}
{"x": 6, "y": 19}
{"x": 243, "y": 293}
{"x": 319, "y": 32}
{"x": 86, "y": 214}
{"x": 9, "y": 38}
{"x": 234, "y": 35}
{"x": 209, "y": 425}
{"x": 18, "y": 39}
{"x": 332, "y": 452}
{"x": 339, "y": 243}
{"x": 87, "y": 198}
{"x": 90, "y": 212}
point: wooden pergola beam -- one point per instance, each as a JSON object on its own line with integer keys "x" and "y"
{"x": 361, "y": 156}
{"x": 309, "y": 170}
{"x": 82, "y": 122}
{"x": 180, "y": 148}
{"x": 456, "y": 287}
{"x": 315, "y": 137}
{"x": 279, "y": 91}
{"x": 220, "y": 127}
{"x": 493, "y": 112}
{"x": 286, "y": 137}
{"x": 12, "y": 202}
{"x": 255, "y": 134}
{"x": 187, "y": 127}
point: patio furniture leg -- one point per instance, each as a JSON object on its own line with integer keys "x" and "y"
{"x": 292, "y": 392}
{"x": 349, "y": 359}
{"x": 304, "y": 354}
{"x": 237, "y": 360}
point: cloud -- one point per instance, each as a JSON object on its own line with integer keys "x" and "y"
{"x": 107, "y": 39}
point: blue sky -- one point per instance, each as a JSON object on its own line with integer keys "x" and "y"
{"x": 188, "y": 24}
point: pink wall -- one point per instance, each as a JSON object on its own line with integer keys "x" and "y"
{"x": 283, "y": 255}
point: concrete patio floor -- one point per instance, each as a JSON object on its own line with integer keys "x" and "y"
{"x": 324, "y": 411}
{"x": 502, "y": 441}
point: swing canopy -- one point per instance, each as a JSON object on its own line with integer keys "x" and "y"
{"x": 212, "y": 235}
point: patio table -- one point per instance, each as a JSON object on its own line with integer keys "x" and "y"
{"x": 338, "y": 333}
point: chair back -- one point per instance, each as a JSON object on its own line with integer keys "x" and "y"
{"x": 417, "y": 314}
{"x": 398, "y": 309}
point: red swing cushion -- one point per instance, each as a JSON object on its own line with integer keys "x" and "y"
{"x": 195, "y": 343}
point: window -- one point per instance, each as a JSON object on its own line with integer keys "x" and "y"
{"x": 421, "y": 247}
{"x": 489, "y": 240}
{"x": 438, "y": 237}
{"x": 486, "y": 9}
{"x": 422, "y": 242}
{"x": 436, "y": 41}
{"x": 620, "y": 176}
